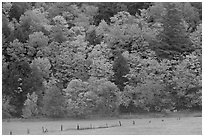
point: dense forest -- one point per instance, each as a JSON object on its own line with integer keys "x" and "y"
{"x": 79, "y": 59}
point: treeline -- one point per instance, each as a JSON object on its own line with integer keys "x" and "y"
{"x": 81, "y": 59}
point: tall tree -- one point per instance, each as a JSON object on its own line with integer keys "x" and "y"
{"x": 120, "y": 68}
{"x": 173, "y": 39}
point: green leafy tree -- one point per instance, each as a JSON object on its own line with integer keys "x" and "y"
{"x": 5, "y": 28}
{"x": 16, "y": 51}
{"x": 30, "y": 106}
{"x": 146, "y": 88}
{"x": 100, "y": 65}
{"x": 91, "y": 36}
{"x": 196, "y": 38}
{"x": 123, "y": 32}
{"x": 30, "y": 22}
{"x": 107, "y": 96}
{"x": 187, "y": 79}
{"x": 58, "y": 33}
{"x": 6, "y": 7}
{"x": 7, "y": 109}
{"x": 85, "y": 17}
{"x": 107, "y": 10}
{"x": 76, "y": 99}
{"x": 17, "y": 9}
{"x": 190, "y": 15}
{"x": 96, "y": 96}
{"x": 43, "y": 65}
{"x": 19, "y": 80}
{"x": 53, "y": 102}
{"x": 37, "y": 41}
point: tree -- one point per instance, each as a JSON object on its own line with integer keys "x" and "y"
{"x": 100, "y": 66}
{"x": 77, "y": 102}
{"x": 7, "y": 109}
{"x": 17, "y": 9}
{"x": 187, "y": 83}
{"x": 5, "y": 28}
{"x": 107, "y": 10}
{"x": 31, "y": 21}
{"x": 190, "y": 15}
{"x": 96, "y": 96}
{"x": 53, "y": 102}
{"x": 196, "y": 38}
{"x": 146, "y": 87}
{"x": 19, "y": 80}
{"x": 43, "y": 65}
{"x": 107, "y": 96}
{"x": 120, "y": 68}
{"x": 123, "y": 31}
{"x": 173, "y": 39}
{"x": 30, "y": 106}
{"x": 16, "y": 51}
{"x": 91, "y": 36}
{"x": 78, "y": 59}
{"x": 37, "y": 41}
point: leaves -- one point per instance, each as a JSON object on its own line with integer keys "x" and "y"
{"x": 30, "y": 106}
{"x": 100, "y": 58}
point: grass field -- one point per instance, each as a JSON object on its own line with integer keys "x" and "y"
{"x": 143, "y": 126}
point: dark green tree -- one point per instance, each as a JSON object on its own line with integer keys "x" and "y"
{"x": 18, "y": 80}
{"x": 5, "y": 29}
{"x": 17, "y": 9}
{"x": 173, "y": 39}
{"x": 120, "y": 68}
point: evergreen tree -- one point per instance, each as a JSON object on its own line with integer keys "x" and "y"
{"x": 120, "y": 68}
{"x": 173, "y": 39}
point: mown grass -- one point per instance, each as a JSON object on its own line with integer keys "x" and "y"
{"x": 145, "y": 124}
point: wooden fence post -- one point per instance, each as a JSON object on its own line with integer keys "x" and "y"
{"x": 43, "y": 130}
{"x": 28, "y": 131}
{"x": 120, "y": 123}
{"x": 77, "y": 126}
{"x": 61, "y": 127}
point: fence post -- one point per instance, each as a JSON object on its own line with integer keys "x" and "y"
{"x": 61, "y": 127}
{"x": 28, "y": 131}
{"x": 77, "y": 126}
{"x": 120, "y": 123}
{"x": 43, "y": 130}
